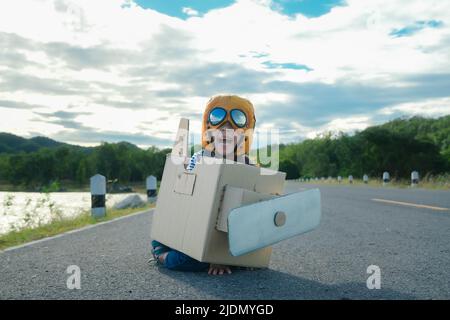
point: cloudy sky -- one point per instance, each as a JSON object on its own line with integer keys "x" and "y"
{"x": 86, "y": 71}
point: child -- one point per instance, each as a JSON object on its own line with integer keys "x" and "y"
{"x": 227, "y": 131}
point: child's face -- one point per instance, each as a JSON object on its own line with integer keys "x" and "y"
{"x": 227, "y": 140}
{"x": 228, "y": 123}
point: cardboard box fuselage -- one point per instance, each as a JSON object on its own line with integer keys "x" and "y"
{"x": 187, "y": 211}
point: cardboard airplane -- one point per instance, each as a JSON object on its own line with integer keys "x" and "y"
{"x": 227, "y": 213}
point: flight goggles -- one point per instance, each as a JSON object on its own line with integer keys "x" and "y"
{"x": 218, "y": 115}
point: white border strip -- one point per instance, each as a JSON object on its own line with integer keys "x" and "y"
{"x": 74, "y": 231}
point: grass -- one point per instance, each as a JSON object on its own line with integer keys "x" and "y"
{"x": 59, "y": 226}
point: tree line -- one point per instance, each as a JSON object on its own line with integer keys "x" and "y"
{"x": 399, "y": 147}
{"x": 122, "y": 161}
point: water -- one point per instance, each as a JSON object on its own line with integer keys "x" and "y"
{"x": 29, "y": 209}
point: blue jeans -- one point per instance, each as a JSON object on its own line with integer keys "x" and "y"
{"x": 176, "y": 260}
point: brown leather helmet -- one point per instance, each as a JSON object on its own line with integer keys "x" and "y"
{"x": 229, "y": 103}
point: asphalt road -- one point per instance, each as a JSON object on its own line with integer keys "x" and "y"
{"x": 411, "y": 246}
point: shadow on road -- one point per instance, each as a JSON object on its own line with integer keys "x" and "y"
{"x": 272, "y": 284}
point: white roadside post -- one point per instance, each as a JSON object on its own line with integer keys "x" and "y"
{"x": 386, "y": 177}
{"x": 414, "y": 178}
{"x": 350, "y": 179}
{"x": 151, "y": 188}
{"x": 339, "y": 179}
{"x": 366, "y": 179}
{"x": 98, "y": 192}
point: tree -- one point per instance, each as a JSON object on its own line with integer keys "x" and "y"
{"x": 290, "y": 168}
{"x": 82, "y": 172}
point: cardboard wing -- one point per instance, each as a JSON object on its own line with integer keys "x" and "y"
{"x": 260, "y": 224}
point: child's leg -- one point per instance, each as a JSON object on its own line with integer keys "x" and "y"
{"x": 178, "y": 261}
{"x": 159, "y": 248}
{"x": 175, "y": 260}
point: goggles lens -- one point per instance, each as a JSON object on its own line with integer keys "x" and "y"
{"x": 239, "y": 118}
{"x": 217, "y": 115}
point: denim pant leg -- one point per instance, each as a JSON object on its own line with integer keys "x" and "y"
{"x": 156, "y": 244}
{"x": 178, "y": 261}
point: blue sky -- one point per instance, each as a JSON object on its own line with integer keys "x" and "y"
{"x": 175, "y": 7}
{"x": 113, "y": 70}
{"x": 309, "y": 8}
{"x": 416, "y": 27}
{"x": 294, "y": 66}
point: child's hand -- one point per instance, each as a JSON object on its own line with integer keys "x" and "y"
{"x": 216, "y": 269}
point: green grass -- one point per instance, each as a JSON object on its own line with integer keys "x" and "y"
{"x": 59, "y": 226}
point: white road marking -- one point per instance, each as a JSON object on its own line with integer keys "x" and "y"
{"x": 411, "y": 204}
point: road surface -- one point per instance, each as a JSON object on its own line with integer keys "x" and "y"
{"x": 410, "y": 244}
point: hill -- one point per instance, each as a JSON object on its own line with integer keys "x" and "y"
{"x": 399, "y": 147}
{"x": 10, "y": 143}
{"x": 436, "y": 131}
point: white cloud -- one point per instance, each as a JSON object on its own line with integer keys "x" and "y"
{"x": 349, "y": 124}
{"x": 190, "y": 12}
{"x": 428, "y": 108}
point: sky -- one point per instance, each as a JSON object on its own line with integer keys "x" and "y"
{"x": 86, "y": 71}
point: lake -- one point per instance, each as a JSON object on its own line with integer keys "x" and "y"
{"x": 21, "y": 209}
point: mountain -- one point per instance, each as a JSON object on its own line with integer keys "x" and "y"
{"x": 46, "y": 142}
{"x": 10, "y": 143}
{"x": 128, "y": 145}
